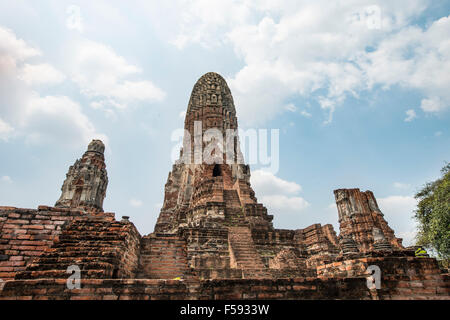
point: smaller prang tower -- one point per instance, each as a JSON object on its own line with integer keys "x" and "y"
{"x": 87, "y": 180}
{"x": 362, "y": 224}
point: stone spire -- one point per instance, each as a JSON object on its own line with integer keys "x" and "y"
{"x": 86, "y": 181}
{"x": 211, "y": 106}
{"x": 211, "y": 102}
{"x": 203, "y": 193}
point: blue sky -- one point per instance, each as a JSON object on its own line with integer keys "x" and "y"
{"x": 359, "y": 92}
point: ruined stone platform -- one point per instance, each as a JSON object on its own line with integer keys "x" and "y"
{"x": 212, "y": 239}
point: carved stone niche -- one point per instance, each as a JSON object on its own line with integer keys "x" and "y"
{"x": 379, "y": 240}
{"x": 215, "y": 212}
{"x": 348, "y": 245}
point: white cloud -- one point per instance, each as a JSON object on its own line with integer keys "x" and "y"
{"x": 13, "y": 50}
{"x": 321, "y": 50}
{"x": 24, "y": 112}
{"x": 13, "y": 53}
{"x": 105, "y": 105}
{"x": 138, "y": 90}
{"x": 267, "y": 183}
{"x": 278, "y": 195}
{"x": 74, "y": 20}
{"x": 409, "y": 237}
{"x": 432, "y": 105}
{"x": 410, "y": 115}
{"x": 290, "y": 107}
{"x": 101, "y": 73}
{"x": 281, "y": 204}
{"x": 329, "y": 216}
{"x": 306, "y": 114}
{"x": 438, "y": 133}
{"x": 6, "y": 179}
{"x": 5, "y": 130}
{"x": 399, "y": 212}
{"x": 39, "y": 74}
{"x": 55, "y": 118}
{"x": 400, "y": 185}
{"x": 136, "y": 203}
{"x": 418, "y": 59}
{"x": 330, "y": 105}
{"x": 397, "y": 204}
{"x": 200, "y": 22}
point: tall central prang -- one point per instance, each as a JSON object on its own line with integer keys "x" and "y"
{"x": 209, "y": 186}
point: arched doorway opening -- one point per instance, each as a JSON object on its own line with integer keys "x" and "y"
{"x": 217, "y": 171}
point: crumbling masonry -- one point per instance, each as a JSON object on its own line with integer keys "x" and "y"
{"x": 212, "y": 240}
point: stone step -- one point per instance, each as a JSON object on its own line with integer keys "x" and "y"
{"x": 96, "y": 247}
{"x": 60, "y": 274}
{"x": 243, "y": 248}
{"x": 256, "y": 274}
{"x": 63, "y": 265}
{"x": 231, "y": 198}
{"x": 80, "y": 253}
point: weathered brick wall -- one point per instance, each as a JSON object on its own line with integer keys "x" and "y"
{"x": 26, "y": 233}
{"x": 401, "y": 277}
{"x": 219, "y": 273}
{"x": 100, "y": 247}
{"x": 391, "y": 265}
{"x": 294, "y": 288}
{"x": 270, "y": 243}
{"x": 319, "y": 242}
{"x": 153, "y": 289}
{"x": 330, "y": 233}
{"x": 256, "y": 215}
{"x": 163, "y": 257}
{"x": 207, "y": 248}
{"x": 207, "y": 189}
{"x": 426, "y": 287}
{"x": 317, "y": 239}
{"x": 130, "y": 251}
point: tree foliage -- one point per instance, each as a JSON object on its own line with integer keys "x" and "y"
{"x": 433, "y": 215}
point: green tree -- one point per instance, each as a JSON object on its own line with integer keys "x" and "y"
{"x": 433, "y": 215}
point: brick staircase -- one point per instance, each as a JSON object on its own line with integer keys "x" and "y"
{"x": 96, "y": 246}
{"x": 234, "y": 215}
{"x": 163, "y": 257}
{"x": 231, "y": 198}
{"x": 244, "y": 253}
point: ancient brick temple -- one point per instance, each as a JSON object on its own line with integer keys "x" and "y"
{"x": 212, "y": 240}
